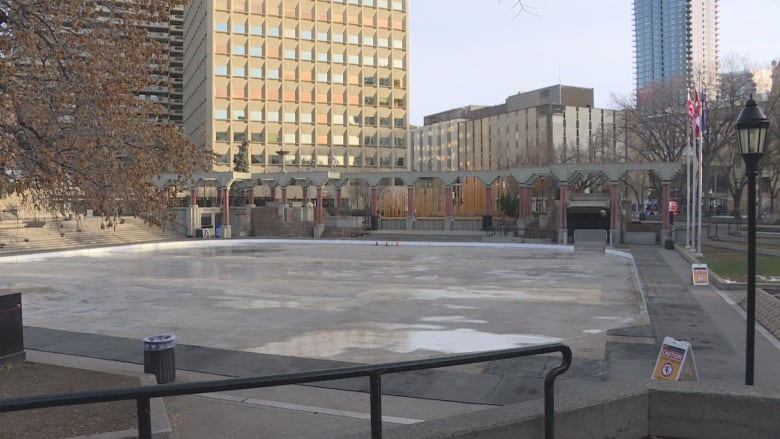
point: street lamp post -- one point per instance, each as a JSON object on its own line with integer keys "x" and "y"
{"x": 752, "y": 127}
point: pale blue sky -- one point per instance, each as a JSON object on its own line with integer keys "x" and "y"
{"x": 477, "y": 52}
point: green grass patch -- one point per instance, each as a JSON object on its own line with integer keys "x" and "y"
{"x": 732, "y": 264}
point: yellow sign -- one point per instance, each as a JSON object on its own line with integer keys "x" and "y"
{"x": 675, "y": 362}
{"x": 701, "y": 274}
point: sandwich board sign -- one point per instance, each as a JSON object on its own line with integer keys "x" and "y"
{"x": 701, "y": 274}
{"x": 675, "y": 362}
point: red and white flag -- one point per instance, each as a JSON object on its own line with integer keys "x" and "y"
{"x": 697, "y": 114}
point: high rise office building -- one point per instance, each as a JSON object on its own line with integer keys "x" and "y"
{"x": 318, "y": 84}
{"x": 676, "y": 40}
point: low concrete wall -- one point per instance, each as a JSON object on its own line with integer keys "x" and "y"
{"x": 620, "y": 411}
{"x": 641, "y": 238}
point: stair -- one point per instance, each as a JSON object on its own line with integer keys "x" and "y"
{"x": 38, "y": 235}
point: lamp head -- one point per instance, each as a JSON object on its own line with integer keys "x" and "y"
{"x": 752, "y": 126}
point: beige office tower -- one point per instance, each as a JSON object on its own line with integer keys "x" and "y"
{"x": 318, "y": 85}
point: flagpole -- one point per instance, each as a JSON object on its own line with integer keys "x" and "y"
{"x": 688, "y": 182}
{"x": 699, "y": 197}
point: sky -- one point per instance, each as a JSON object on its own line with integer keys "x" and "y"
{"x": 478, "y": 52}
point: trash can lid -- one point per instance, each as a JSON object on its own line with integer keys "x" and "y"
{"x": 159, "y": 342}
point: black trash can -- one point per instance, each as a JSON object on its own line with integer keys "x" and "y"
{"x": 669, "y": 243}
{"x": 487, "y": 222}
{"x": 374, "y": 222}
{"x": 160, "y": 358}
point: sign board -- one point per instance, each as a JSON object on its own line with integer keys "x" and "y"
{"x": 701, "y": 274}
{"x": 675, "y": 362}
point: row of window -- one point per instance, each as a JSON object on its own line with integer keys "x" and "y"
{"x": 256, "y": 7}
{"x": 317, "y": 160}
{"x": 322, "y": 139}
{"x": 275, "y": 94}
{"x": 327, "y": 76}
{"x": 306, "y": 117}
{"x": 308, "y": 55}
{"x": 369, "y": 38}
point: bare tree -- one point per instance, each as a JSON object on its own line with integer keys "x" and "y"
{"x": 73, "y": 131}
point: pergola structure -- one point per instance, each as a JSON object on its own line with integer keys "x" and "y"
{"x": 525, "y": 178}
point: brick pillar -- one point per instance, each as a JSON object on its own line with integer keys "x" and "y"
{"x": 448, "y": 200}
{"x": 284, "y": 195}
{"x": 319, "y": 219}
{"x": 374, "y": 201}
{"x": 305, "y": 195}
{"x": 226, "y": 208}
{"x": 338, "y": 200}
{"x": 193, "y": 196}
{"x": 410, "y": 201}
{"x": 488, "y": 199}
{"x": 273, "y": 193}
{"x": 564, "y": 221}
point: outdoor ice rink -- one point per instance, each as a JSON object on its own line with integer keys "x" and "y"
{"x": 343, "y": 300}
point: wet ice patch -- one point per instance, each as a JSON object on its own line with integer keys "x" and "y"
{"x": 451, "y": 319}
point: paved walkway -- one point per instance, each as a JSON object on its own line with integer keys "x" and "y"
{"x": 708, "y": 318}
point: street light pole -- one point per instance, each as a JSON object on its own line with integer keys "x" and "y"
{"x": 752, "y": 127}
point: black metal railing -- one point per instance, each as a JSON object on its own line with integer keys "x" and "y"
{"x": 143, "y": 395}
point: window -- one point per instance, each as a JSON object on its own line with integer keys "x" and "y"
{"x": 306, "y": 34}
{"x": 384, "y": 121}
{"x": 369, "y": 100}
{"x": 239, "y": 49}
{"x": 273, "y": 73}
{"x": 322, "y": 56}
{"x": 256, "y": 51}
{"x": 368, "y": 41}
{"x": 368, "y": 60}
{"x": 273, "y": 31}
{"x": 353, "y": 39}
{"x": 338, "y": 78}
{"x": 306, "y": 55}
{"x": 384, "y": 42}
{"x": 398, "y": 63}
{"x": 256, "y": 116}
{"x": 223, "y": 136}
{"x": 338, "y": 58}
{"x": 222, "y": 26}
{"x": 221, "y": 114}
{"x": 370, "y": 120}
{"x": 290, "y": 116}
{"x": 399, "y": 122}
{"x": 306, "y": 138}
{"x": 273, "y": 116}
{"x": 258, "y": 137}
{"x": 355, "y": 120}
{"x": 384, "y": 141}
{"x": 369, "y": 80}
{"x": 383, "y": 62}
{"x": 384, "y": 82}
{"x": 400, "y": 141}
{"x": 322, "y": 36}
{"x": 338, "y": 119}
{"x": 239, "y": 71}
{"x": 290, "y": 54}
{"x": 239, "y": 28}
{"x": 354, "y": 59}
{"x": 398, "y": 44}
{"x": 322, "y": 77}
{"x": 338, "y": 37}
{"x": 222, "y": 70}
{"x": 239, "y": 115}
{"x": 290, "y": 138}
{"x": 239, "y": 137}
{"x": 256, "y": 29}
{"x": 256, "y": 72}
{"x": 398, "y": 5}
{"x": 383, "y": 4}
{"x": 290, "y": 33}
{"x": 306, "y": 117}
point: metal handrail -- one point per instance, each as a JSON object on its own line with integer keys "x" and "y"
{"x": 144, "y": 394}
